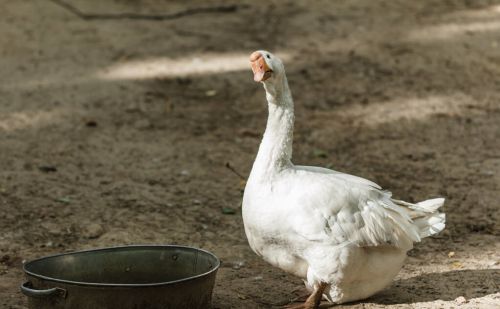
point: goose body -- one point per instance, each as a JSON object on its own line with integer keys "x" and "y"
{"x": 342, "y": 234}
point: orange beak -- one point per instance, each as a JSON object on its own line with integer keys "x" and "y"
{"x": 261, "y": 71}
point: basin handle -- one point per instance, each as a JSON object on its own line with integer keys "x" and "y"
{"x": 27, "y": 289}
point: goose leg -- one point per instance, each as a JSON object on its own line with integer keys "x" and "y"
{"x": 312, "y": 301}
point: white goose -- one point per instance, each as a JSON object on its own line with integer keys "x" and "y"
{"x": 342, "y": 234}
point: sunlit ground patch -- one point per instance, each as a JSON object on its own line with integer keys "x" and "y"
{"x": 451, "y": 30}
{"x": 21, "y": 120}
{"x": 178, "y": 67}
{"x": 412, "y": 108}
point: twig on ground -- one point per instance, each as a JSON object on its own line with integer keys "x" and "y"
{"x": 228, "y": 165}
{"x": 191, "y": 11}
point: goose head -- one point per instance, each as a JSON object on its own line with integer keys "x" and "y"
{"x": 267, "y": 68}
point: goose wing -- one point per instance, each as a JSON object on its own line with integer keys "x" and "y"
{"x": 341, "y": 209}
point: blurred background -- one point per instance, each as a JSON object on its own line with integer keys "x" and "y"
{"x": 118, "y": 119}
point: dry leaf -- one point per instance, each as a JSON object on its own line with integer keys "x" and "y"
{"x": 243, "y": 183}
{"x": 210, "y": 93}
{"x": 456, "y": 265}
{"x": 228, "y": 211}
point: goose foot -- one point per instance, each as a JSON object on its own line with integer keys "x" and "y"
{"x": 313, "y": 301}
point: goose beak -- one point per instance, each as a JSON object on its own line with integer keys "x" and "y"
{"x": 261, "y": 70}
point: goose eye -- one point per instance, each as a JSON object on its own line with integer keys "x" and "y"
{"x": 268, "y": 57}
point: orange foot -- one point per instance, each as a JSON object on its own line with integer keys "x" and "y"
{"x": 312, "y": 301}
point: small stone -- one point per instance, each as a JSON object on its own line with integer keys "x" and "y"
{"x": 451, "y": 254}
{"x": 238, "y": 264}
{"x": 52, "y": 228}
{"x": 64, "y": 200}
{"x": 47, "y": 168}
{"x": 4, "y": 258}
{"x": 209, "y": 235}
{"x": 228, "y": 211}
{"x": 91, "y": 123}
{"x": 320, "y": 153}
{"x": 460, "y": 300}
{"x": 210, "y": 93}
{"x": 196, "y": 202}
{"x": 93, "y": 230}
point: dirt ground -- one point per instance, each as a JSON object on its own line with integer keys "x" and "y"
{"x": 117, "y": 131}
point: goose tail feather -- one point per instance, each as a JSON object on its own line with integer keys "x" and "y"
{"x": 425, "y": 215}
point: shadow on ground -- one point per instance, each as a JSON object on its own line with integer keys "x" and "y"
{"x": 441, "y": 286}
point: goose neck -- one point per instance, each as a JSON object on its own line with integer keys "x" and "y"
{"x": 275, "y": 151}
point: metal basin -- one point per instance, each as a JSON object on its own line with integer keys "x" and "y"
{"x": 130, "y": 277}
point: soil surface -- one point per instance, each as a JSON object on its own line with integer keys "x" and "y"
{"x": 116, "y": 129}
